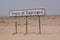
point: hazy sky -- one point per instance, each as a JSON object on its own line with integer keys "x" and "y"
{"x": 51, "y": 6}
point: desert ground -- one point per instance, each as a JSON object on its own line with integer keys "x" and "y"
{"x": 14, "y": 28}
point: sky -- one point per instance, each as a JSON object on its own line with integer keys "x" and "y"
{"x": 52, "y": 6}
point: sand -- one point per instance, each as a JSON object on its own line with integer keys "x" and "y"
{"x": 49, "y": 28}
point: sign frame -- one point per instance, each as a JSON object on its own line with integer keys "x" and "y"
{"x": 28, "y": 12}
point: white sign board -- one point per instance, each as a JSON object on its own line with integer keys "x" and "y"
{"x": 27, "y": 12}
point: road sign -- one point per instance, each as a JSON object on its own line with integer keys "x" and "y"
{"x": 27, "y": 12}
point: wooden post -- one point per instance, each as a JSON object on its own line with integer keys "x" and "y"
{"x": 15, "y": 26}
{"x": 39, "y": 26}
{"x": 26, "y": 25}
